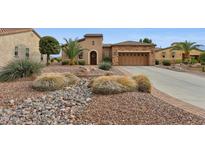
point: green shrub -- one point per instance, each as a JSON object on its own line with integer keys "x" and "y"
{"x": 166, "y": 62}
{"x": 81, "y": 62}
{"x": 178, "y": 61}
{"x": 202, "y": 58}
{"x": 52, "y": 60}
{"x": 105, "y": 66}
{"x": 107, "y": 59}
{"x": 143, "y": 83}
{"x": 186, "y": 61}
{"x": 194, "y": 61}
{"x": 202, "y": 63}
{"x": 19, "y": 69}
{"x": 203, "y": 68}
{"x": 156, "y": 62}
{"x": 65, "y": 62}
{"x": 58, "y": 59}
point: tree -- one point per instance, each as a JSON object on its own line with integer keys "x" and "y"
{"x": 72, "y": 49}
{"x": 186, "y": 47}
{"x": 49, "y": 45}
{"x": 202, "y": 58}
{"x": 145, "y": 40}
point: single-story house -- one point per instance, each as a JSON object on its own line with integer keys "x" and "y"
{"x": 172, "y": 55}
{"x": 123, "y": 53}
{"x": 19, "y": 43}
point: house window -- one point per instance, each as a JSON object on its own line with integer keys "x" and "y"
{"x": 41, "y": 57}
{"x": 27, "y": 52}
{"x": 80, "y": 56}
{"x": 93, "y": 42}
{"x": 163, "y": 54}
{"x": 16, "y": 51}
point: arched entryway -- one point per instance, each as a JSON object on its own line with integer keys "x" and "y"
{"x": 93, "y": 58}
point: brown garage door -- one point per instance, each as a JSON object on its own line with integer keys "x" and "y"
{"x": 130, "y": 59}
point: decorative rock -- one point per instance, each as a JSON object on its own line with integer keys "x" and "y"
{"x": 56, "y": 107}
{"x": 11, "y": 101}
{"x": 88, "y": 99}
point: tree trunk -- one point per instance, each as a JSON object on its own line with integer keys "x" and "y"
{"x": 48, "y": 59}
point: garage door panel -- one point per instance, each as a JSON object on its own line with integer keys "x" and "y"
{"x": 140, "y": 59}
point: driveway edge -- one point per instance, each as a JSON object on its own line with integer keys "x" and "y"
{"x": 171, "y": 100}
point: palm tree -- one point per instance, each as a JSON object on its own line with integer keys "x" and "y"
{"x": 186, "y": 46}
{"x": 72, "y": 49}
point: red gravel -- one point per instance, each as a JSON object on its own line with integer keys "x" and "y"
{"x": 17, "y": 90}
{"x": 75, "y": 69}
{"x": 134, "y": 108}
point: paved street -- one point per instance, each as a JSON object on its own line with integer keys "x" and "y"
{"x": 183, "y": 86}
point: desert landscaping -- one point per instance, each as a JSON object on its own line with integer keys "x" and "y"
{"x": 78, "y": 104}
{"x": 86, "y": 85}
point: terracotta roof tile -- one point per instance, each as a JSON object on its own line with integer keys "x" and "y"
{"x": 133, "y": 43}
{"x": 93, "y": 35}
{"x": 9, "y": 31}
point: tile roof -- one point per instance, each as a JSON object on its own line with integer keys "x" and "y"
{"x": 93, "y": 35}
{"x": 133, "y": 43}
{"x": 9, "y": 31}
{"x": 107, "y": 45}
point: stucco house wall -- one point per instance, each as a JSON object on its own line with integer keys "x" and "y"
{"x": 22, "y": 41}
{"x": 94, "y": 42}
{"x": 141, "y": 49}
{"x": 89, "y": 43}
{"x": 168, "y": 54}
{"x": 107, "y": 52}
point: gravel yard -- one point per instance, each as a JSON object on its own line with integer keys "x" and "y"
{"x": 134, "y": 108}
{"x": 56, "y": 107}
{"x": 20, "y": 104}
{"x": 17, "y": 91}
{"x": 79, "y": 70}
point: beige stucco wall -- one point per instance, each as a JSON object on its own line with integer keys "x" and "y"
{"x": 117, "y": 49}
{"x": 88, "y": 46}
{"x": 22, "y": 40}
{"x": 107, "y": 52}
{"x": 168, "y": 54}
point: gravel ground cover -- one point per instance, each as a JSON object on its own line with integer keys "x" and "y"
{"x": 20, "y": 104}
{"x": 58, "y": 107}
{"x": 14, "y": 92}
{"x": 134, "y": 108}
{"x": 79, "y": 70}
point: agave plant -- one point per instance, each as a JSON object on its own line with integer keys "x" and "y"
{"x": 19, "y": 69}
{"x": 72, "y": 49}
{"x": 186, "y": 46}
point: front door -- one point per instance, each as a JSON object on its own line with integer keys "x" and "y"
{"x": 93, "y": 58}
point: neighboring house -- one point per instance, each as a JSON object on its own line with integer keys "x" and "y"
{"x": 173, "y": 56}
{"x": 19, "y": 43}
{"x": 123, "y": 53}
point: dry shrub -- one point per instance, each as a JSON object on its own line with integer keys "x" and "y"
{"x": 49, "y": 82}
{"x": 143, "y": 83}
{"x": 126, "y": 81}
{"x": 71, "y": 78}
{"x": 112, "y": 84}
{"x": 54, "y": 81}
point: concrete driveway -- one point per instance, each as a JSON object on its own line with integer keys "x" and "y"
{"x": 183, "y": 86}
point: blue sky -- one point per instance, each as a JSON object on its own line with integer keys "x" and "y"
{"x": 163, "y": 37}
